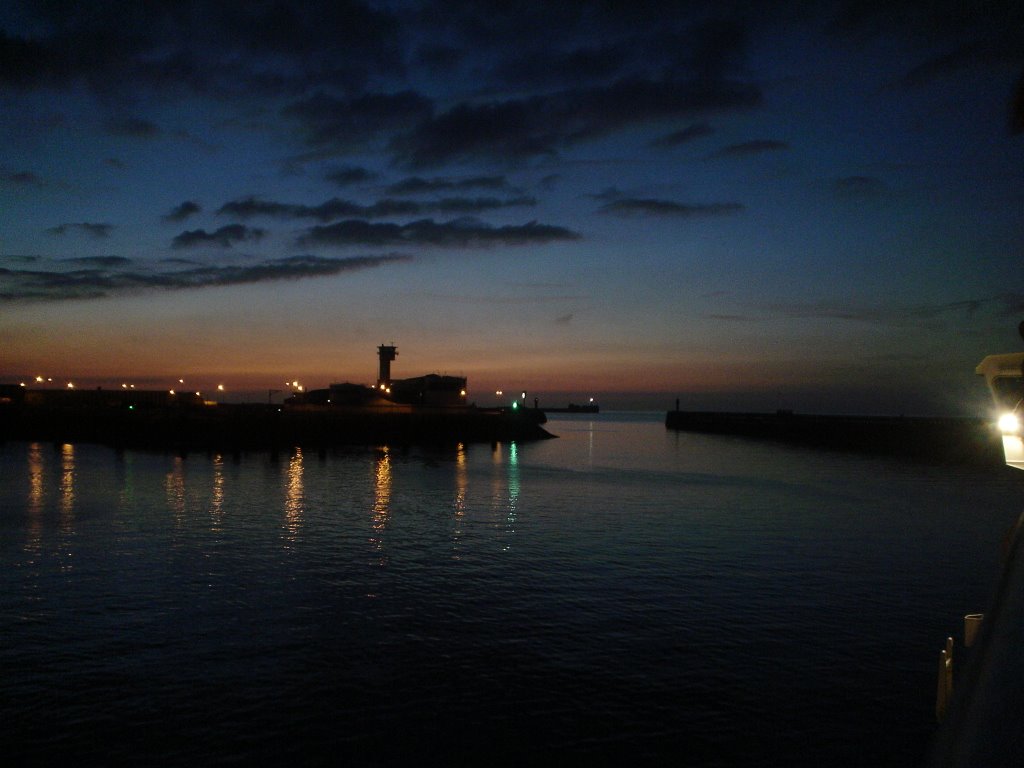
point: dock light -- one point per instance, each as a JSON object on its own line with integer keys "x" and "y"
{"x": 295, "y": 383}
{"x": 220, "y": 387}
{"x": 515, "y": 404}
{"x": 181, "y": 381}
{"x": 1009, "y": 424}
{"x": 462, "y": 392}
{"x": 71, "y": 385}
{"x": 170, "y": 391}
{"x": 199, "y": 394}
{"x": 498, "y": 392}
{"x": 39, "y": 379}
{"x": 124, "y": 386}
{"x": 22, "y": 384}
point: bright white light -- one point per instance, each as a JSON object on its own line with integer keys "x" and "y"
{"x": 181, "y": 381}
{"x": 71, "y": 385}
{"x": 462, "y": 392}
{"x": 39, "y": 378}
{"x": 220, "y": 387}
{"x": 498, "y": 392}
{"x": 171, "y": 391}
{"x": 1009, "y": 424}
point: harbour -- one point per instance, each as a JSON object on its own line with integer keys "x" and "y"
{"x": 621, "y": 593}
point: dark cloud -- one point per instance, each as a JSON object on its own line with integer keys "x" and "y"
{"x": 132, "y": 127}
{"x": 747, "y": 148}
{"x": 181, "y": 212}
{"x": 99, "y": 261}
{"x": 914, "y": 20}
{"x": 648, "y": 207}
{"x": 91, "y": 229}
{"x": 222, "y": 238}
{"x": 518, "y": 129}
{"x": 608, "y": 194}
{"x": 1002, "y": 305}
{"x": 553, "y": 46}
{"x": 467, "y": 205}
{"x": 730, "y": 318}
{"x": 437, "y": 58}
{"x": 335, "y": 208}
{"x": 348, "y": 175}
{"x": 684, "y": 135}
{"x": 1003, "y": 49}
{"x": 414, "y": 185}
{"x": 20, "y": 178}
{"x": 227, "y": 49}
{"x": 544, "y": 67}
{"x": 859, "y": 187}
{"x": 114, "y": 275}
{"x": 342, "y": 124}
{"x": 457, "y": 234}
{"x": 564, "y": 319}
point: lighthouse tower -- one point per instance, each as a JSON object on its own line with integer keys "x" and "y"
{"x": 386, "y": 354}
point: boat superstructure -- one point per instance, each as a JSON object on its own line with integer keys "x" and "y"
{"x": 1004, "y": 375}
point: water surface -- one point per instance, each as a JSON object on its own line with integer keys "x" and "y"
{"x": 621, "y": 593}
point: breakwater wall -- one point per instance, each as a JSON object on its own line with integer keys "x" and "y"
{"x": 942, "y": 440}
{"x": 260, "y": 427}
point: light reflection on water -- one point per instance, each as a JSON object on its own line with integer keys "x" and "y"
{"x": 381, "y": 513}
{"x": 217, "y": 494}
{"x": 66, "y": 526}
{"x": 459, "y": 501}
{"x": 174, "y": 485}
{"x": 618, "y": 594}
{"x": 294, "y": 498}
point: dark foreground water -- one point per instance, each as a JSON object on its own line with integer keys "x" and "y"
{"x": 621, "y": 594}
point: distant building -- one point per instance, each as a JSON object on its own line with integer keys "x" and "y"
{"x": 431, "y": 389}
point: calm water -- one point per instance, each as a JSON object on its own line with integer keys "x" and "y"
{"x": 621, "y": 593}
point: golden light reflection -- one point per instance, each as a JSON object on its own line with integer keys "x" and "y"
{"x": 35, "y": 478}
{"x": 66, "y": 525}
{"x": 217, "y": 496}
{"x": 460, "y": 497}
{"x": 174, "y": 487}
{"x": 67, "y": 483}
{"x": 125, "y": 476}
{"x": 34, "y": 544}
{"x": 381, "y": 503}
{"x": 294, "y": 499}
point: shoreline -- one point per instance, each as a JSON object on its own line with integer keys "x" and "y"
{"x": 253, "y": 426}
{"x": 952, "y": 440}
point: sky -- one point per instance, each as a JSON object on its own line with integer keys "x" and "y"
{"x": 816, "y": 206}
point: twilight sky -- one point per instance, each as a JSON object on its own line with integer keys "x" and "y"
{"x": 816, "y": 206}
